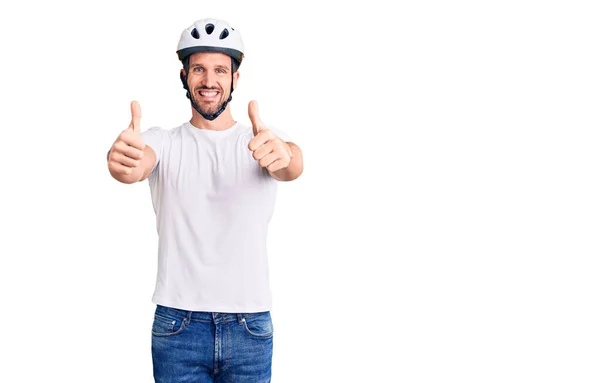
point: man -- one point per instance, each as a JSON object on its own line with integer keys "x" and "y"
{"x": 213, "y": 186}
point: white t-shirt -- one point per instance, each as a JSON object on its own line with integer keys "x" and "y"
{"x": 213, "y": 203}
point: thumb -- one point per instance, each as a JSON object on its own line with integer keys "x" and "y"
{"x": 257, "y": 124}
{"x": 136, "y": 115}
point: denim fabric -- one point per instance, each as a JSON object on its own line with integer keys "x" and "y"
{"x": 202, "y": 347}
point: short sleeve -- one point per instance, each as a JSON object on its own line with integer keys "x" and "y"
{"x": 281, "y": 134}
{"x": 153, "y": 137}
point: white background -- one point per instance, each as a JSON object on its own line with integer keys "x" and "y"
{"x": 445, "y": 228}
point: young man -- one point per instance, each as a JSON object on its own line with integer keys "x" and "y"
{"x": 213, "y": 185}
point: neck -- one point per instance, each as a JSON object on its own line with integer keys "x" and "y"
{"x": 223, "y": 122}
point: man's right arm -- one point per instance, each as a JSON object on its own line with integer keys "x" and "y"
{"x": 129, "y": 159}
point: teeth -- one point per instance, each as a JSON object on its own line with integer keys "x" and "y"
{"x": 208, "y": 94}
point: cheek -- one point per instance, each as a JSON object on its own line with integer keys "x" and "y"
{"x": 225, "y": 88}
{"x": 192, "y": 82}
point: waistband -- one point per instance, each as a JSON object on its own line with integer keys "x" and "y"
{"x": 205, "y": 316}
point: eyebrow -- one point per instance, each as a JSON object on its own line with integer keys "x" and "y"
{"x": 216, "y": 66}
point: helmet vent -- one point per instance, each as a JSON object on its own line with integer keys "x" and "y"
{"x": 195, "y": 34}
{"x": 224, "y": 34}
{"x": 209, "y": 28}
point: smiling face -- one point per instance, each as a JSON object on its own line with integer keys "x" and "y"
{"x": 209, "y": 80}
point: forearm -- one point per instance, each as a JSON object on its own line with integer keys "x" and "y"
{"x": 294, "y": 169}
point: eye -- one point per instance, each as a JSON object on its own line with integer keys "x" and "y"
{"x": 198, "y": 69}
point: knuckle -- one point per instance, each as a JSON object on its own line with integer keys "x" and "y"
{"x": 138, "y": 142}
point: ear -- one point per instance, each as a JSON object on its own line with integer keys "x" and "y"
{"x": 236, "y": 75}
{"x": 182, "y": 77}
{"x": 184, "y": 83}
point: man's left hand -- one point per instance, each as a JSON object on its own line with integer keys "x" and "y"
{"x": 270, "y": 151}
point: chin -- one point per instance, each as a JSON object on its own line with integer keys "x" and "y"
{"x": 211, "y": 109}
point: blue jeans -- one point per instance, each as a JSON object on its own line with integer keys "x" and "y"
{"x": 202, "y": 347}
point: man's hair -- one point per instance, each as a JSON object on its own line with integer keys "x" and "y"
{"x": 186, "y": 64}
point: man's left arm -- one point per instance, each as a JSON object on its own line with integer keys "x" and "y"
{"x": 283, "y": 160}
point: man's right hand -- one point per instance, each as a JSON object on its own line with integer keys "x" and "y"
{"x": 128, "y": 150}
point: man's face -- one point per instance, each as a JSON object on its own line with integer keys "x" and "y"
{"x": 209, "y": 80}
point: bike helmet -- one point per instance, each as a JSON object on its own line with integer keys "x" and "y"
{"x": 211, "y": 35}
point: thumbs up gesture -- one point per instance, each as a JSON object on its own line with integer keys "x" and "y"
{"x": 270, "y": 151}
{"x": 128, "y": 150}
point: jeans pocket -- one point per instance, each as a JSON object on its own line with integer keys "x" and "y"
{"x": 166, "y": 325}
{"x": 259, "y": 325}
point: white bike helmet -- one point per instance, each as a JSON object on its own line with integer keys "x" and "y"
{"x": 211, "y": 35}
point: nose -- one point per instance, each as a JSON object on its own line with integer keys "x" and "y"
{"x": 210, "y": 80}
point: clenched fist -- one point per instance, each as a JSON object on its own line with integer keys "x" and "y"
{"x": 126, "y": 153}
{"x": 271, "y": 151}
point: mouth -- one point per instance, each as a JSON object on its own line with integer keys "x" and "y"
{"x": 208, "y": 95}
